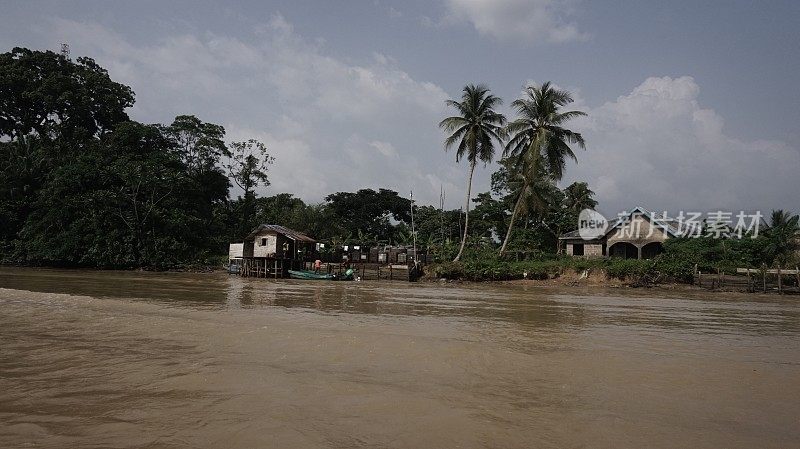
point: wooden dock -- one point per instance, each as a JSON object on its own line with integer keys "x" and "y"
{"x": 264, "y": 268}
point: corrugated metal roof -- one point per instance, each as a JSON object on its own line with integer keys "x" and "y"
{"x": 570, "y": 235}
{"x": 278, "y": 229}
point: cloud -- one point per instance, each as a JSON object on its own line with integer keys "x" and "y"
{"x": 389, "y": 10}
{"x": 659, "y": 148}
{"x": 528, "y": 21}
{"x": 331, "y": 125}
{"x": 334, "y": 125}
{"x": 385, "y": 148}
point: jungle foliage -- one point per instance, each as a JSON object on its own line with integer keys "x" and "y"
{"x": 81, "y": 184}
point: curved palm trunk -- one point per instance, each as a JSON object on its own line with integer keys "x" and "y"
{"x": 511, "y": 223}
{"x": 466, "y": 218}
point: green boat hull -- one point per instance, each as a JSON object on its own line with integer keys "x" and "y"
{"x": 310, "y": 275}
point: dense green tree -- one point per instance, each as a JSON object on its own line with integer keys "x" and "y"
{"x": 368, "y": 215}
{"x": 202, "y": 149}
{"x": 434, "y": 225}
{"x": 487, "y": 218}
{"x": 22, "y": 168}
{"x": 473, "y": 132}
{"x": 287, "y": 210}
{"x": 120, "y": 203}
{"x": 50, "y": 110}
{"x": 200, "y": 145}
{"x": 45, "y": 94}
{"x": 80, "y": 184}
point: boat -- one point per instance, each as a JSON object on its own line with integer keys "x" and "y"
{"x": 310, "y": 275}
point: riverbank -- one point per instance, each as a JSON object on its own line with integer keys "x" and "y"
{"x": 596, "y": 282}
{"x": 659, "y": 273}
{"x": 565, "y": 269}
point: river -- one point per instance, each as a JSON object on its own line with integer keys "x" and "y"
{"x": 182, "y": 360}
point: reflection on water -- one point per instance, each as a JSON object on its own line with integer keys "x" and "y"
{"x": 131, "y": 359}
{"x": 684, "y": 312}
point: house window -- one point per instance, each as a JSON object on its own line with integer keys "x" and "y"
{"x": 263, "y": 241}
{"x": 577, "y": 249}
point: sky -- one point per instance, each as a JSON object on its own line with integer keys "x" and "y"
{"x": 691, "y": 106}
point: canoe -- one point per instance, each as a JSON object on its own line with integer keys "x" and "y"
{"x": 302, "y": 274}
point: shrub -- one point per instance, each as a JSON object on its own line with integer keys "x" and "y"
{"x": 448, "y": 270}
{"x": 628, "y": 269}
{"x": 538, "y": 269}
{"x": 676, "y": 269}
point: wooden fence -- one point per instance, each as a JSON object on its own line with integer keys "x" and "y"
{"x": 779, "y": 280}
{"x": 370, "y": 271}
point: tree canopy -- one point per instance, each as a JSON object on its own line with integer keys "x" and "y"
{"x": 83, "y": 185}
{"x": 46, "y": 94}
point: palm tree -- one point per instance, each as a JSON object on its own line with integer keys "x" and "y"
{"x": 780, "y": 218}
{"x": 579, "y": 196}
{"x": 473, "y": 133}
{"x": 782, "y": 236}
{"x": 538, "y": 142}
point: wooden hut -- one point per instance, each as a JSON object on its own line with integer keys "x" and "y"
{"x": 270, "y": 250}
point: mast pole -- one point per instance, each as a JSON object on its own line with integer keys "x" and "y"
{"x": 413, "y": 232}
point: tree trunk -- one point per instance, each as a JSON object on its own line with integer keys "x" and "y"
{"x": 511, "y": 223}
{"x": 559, "y": 250}
{"x": 466, "y": 218}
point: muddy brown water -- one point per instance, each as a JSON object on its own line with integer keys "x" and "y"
{"x": 144, "y": 360}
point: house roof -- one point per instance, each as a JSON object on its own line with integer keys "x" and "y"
{"x": 570, "y": 235}
{"x": 278, "y": 229}
{"x": 666, "y": 223}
